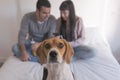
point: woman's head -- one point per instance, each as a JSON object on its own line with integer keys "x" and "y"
{"x": 67, "y": 14}
{"x": 67, "y": 10}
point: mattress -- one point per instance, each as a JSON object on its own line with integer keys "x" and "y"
{"x": 102, "y": 67}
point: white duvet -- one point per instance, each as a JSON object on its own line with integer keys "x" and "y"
{"x": 102, "y": 67}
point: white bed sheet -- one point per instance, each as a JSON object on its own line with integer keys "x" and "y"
{"x": 102, "y": 67}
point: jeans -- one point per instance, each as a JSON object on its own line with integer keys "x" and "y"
{"x": 83, "y": 52}
{"x": 17, "y": 52}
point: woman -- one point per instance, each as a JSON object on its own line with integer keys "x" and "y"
{"x": 71, "y": 28}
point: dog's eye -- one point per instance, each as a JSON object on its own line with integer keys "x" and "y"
{"x": 47, "y": 46}
{"x": 60, "y": 45}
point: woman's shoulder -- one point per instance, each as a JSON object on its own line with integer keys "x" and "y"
{"x": 78, "y": 18}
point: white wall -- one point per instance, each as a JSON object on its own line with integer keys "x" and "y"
{"x": 91, "y": 11}
{"x": 8, "y": 22}
{"x": 111, "y": 25}
{"x": 11, "y": 12}
{"x": 95, "y": 13}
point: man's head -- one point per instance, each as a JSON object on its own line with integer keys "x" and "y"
{"x": 43, "y": 10}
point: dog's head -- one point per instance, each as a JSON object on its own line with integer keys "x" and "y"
{"x": 54, "y": 50}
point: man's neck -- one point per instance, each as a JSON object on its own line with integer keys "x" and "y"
{"x": 40, "y": 22}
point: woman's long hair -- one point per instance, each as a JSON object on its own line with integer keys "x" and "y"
{"x": 68, "y": 5}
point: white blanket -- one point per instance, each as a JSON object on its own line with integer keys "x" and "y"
{"x": 102, "y": 67}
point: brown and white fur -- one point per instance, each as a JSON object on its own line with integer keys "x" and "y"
{"x": 55, "y": 54}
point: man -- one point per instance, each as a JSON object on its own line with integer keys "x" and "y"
{"x": 38, "y": 25}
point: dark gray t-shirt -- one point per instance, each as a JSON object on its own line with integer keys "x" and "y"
{"x": 35, "y": 30}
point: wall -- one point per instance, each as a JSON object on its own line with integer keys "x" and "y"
{"x": 91, "y": 11}
{"x": 8, "y": 22}
{"x": 11, "y": 12}
{"x": 111, "y": 25}
{"x": 95, "y": 13}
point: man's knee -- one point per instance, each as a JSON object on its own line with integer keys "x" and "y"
{"x": 16, "y": 49}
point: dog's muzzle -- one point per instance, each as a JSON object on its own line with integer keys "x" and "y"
{"x": 53, "y": 56}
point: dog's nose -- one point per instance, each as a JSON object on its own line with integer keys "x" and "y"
{"x": 53, "y": 54}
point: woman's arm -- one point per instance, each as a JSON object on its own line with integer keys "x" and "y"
{"x": 79, "y": 33}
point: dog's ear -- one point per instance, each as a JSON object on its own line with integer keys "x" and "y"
{"x": 69, "y": 52}
{"x": 40, "y": 53}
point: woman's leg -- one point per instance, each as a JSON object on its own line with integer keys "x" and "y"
{"x": 83, "y": 52}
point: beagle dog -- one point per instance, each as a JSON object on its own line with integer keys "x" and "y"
{"x": 55, "y": 54}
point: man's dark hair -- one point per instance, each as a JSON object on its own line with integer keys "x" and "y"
{"x": 44, "y": 3}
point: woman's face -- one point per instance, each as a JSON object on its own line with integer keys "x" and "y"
{"x": 65, "y": 14}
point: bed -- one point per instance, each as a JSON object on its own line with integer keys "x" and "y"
{"x": 102, "y": 67}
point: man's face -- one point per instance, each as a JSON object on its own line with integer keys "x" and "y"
{"x": 43, "y": 13}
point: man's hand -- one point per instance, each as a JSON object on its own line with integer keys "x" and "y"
{"x": 34, "y": 47}
{"x": 25, "y": 56}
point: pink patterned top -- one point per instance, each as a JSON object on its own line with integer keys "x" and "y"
{"x": 79, "y": 31}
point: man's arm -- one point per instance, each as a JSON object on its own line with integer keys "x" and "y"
{"x": 22, "y": 38}
{"x": 52, "y": 29}
{"x": 24, "y": 54}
